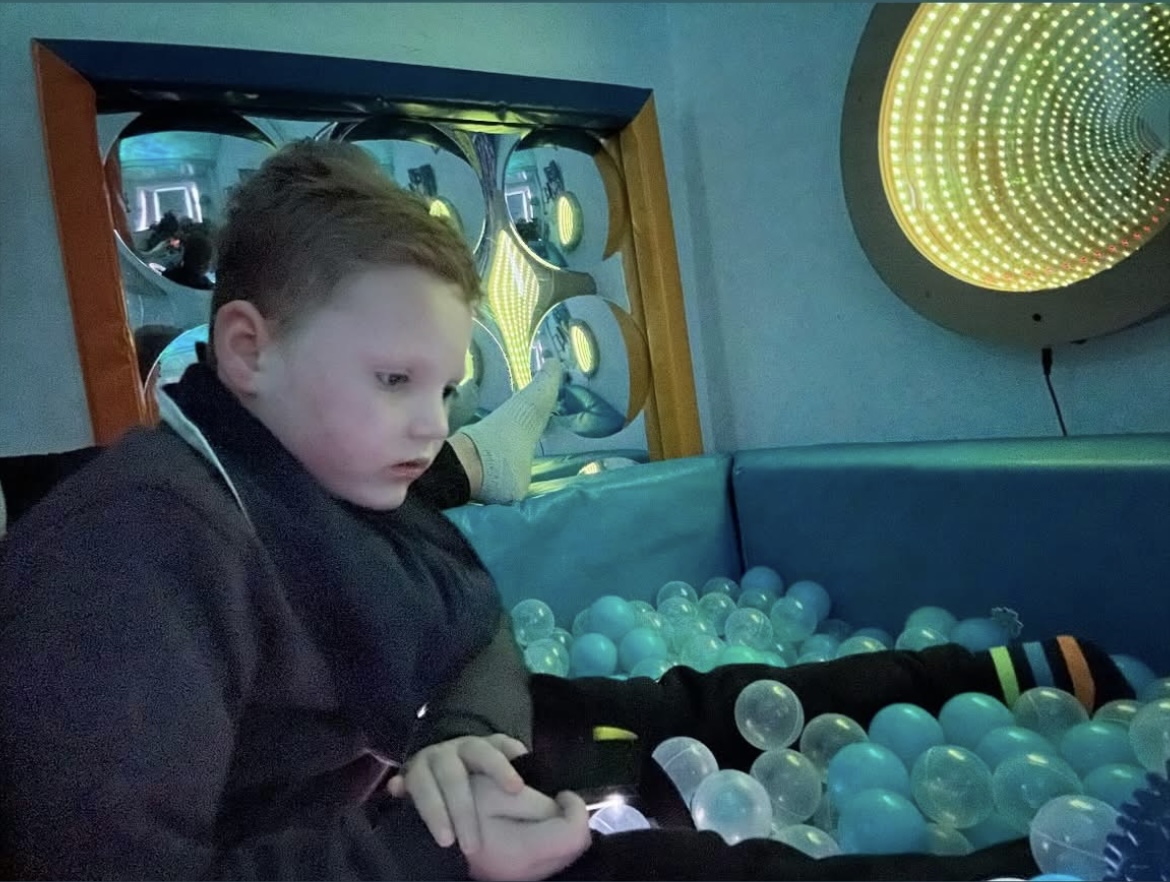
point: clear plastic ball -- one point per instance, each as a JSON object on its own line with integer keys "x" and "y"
{"x": 617, "y": 817}
{"x": 653, "y": 668}
{"x": 860, "y": 767}
{"x": 1068, "y": 836}
{"x": 812, "y": 841}
{"x": 881, "y": 822}
{"x": 918, "y": 639}
{"x": 752, "y": 599}
{"x": 1049, "y": 711}
{"x": 943, "y": 841}
{"x": 562, "y": 637}
{"x": 1022, "y": 784}
{"x": 749, "y": 627}
{"x": 826, "y": 734}
{"x": 967, "y": 717}
{"x": 547, "y": 656}
{"x": 678, "y": 611}
{"x": 734, "y": 805}
{"x": 715, "y": 608}
{"x": 792, "y": 782}
{"x": 812, "y": 658}
{"x": 1087, "y": 746}
{"x": 907, "y": 730}
{"x": 701, "y": 652}
{"x": 881, "y": 635}
{"x": 1149, "y": 734}
{"x": 640, "y": 606}
{"x": 580, "y": 624}
{"x": 720, "y": 585}
{"x": 686, "y": 762}
{"x": 676, "y": 588}
{"x": 1120, "y": 711}
{"x": 792, "y": 620}
{"x": 768, "y": 714}
{"x": 813, "y": 595}
{"x": 532, "y": 620}
{"x": 933, "y": 617}
{"x": 857, "y": 645}
{"x": 952, "y": 786}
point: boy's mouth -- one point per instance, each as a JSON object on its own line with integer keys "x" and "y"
{"x": 410, "y": 469}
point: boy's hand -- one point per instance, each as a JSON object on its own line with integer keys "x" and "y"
{"x": 527, "y": 836}
{"x": 437, "y": 780}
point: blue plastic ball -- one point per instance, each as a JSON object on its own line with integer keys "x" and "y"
{"x": 1004, "y": 742}
{"x": 838, "y": 628}
{"x": 740, "y": 655}
{"x": 991, "y": 831}
{"x": 1114, "y": 784}
{"x": 967, "y": 717}
{"x": 822, "y": 644}
{"x": 881, "y": 822}
{"x": 653, "y": 668}
{"x": 907, "y": 730}
{"x": 1088, "y": 746}
{"x": 1149, "y": 733}
{"x": 593, "y": 655}
{"x": 764, "y": 579}
{"x": 813, "y": 595}
{"x": 858, "y": 645}
{"x": 612, "y": 616}
{"x": 640, "y": 644}
{"x": 980, "y": 634}
{"x": 864, "y": 766}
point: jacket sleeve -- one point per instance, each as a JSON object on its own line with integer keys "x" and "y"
{"x": 490, "y": 695}
{"x": 129, "y": 640}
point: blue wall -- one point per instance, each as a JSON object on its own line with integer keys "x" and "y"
{"x": 801, "y": 341}
{"x": 796, "y": 339}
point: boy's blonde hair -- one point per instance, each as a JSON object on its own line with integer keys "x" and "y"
{"x": 316, "y": 212}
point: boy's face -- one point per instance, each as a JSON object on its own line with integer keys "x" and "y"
{"x": 358, "y": 390}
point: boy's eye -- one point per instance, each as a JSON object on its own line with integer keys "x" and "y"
{"x": 449, "y": 393}
{"x": 391, "y": 380}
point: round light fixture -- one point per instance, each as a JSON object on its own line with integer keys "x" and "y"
{"x": 584, "y": 346}
{"x": 1007, "y": 166}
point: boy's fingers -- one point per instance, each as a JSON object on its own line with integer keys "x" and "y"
{"x": 428, "y": 802}
{"x": 397, "y": 786}
{"x": 484, "y": 758}
{"x": 459, "y": 806}
{"x": 508, "y": 746}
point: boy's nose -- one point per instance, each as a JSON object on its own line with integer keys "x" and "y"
{"x": 430, "y": 421}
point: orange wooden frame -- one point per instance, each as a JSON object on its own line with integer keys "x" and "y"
{"x": 105, "y": 345}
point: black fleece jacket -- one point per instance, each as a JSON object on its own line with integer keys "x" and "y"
{"x": 188, "y": 692}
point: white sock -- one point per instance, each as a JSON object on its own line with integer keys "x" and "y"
{"x": 506, "y": 438}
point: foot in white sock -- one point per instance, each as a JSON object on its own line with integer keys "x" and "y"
{"x": 506, "y": 438}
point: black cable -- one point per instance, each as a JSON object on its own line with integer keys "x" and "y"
{"x": 1046, "y": 363}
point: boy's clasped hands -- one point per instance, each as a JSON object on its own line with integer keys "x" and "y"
{"x": 467, "y": 792}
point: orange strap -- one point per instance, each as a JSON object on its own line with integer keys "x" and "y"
{"x": 1078, "y": 668}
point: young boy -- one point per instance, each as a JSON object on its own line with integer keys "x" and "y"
{"x": 221, "y": 638}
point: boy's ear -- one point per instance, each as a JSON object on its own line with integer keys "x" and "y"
{"x": 240, "y": 334}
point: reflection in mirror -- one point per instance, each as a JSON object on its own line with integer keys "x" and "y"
{"x": 556, "y": 199}
{"x": 171, "y": 189}
{"x": 605, "y": 358}
{"x": 486, "y": 384}
{"x": 437, "y": 174}
{"x": 175, "y": 358}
